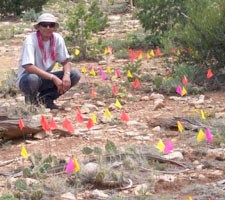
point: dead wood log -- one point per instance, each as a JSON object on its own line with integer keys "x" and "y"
{"x": 9, "y": 128}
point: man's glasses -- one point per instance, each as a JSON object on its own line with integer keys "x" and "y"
{"x": 47, "y": 24}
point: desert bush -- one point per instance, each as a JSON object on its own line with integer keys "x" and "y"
{"x": 196, "y": 25}
{"x": 82, "y": 22}
{"x": 16, "y": 7}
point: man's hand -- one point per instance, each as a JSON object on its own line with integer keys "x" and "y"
{"x": 59, "y": 84}
{"x": 66, "y": 82}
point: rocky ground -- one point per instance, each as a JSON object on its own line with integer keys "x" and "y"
{"x": 191, "y": 170}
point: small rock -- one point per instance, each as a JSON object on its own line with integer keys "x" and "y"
{"x": 137, "y": 124}
{"x": 157, "y": 96}
{"x": 99, "y": 194}
{"x": 90, "y": 170}
{"x": 158, "y": 103}
{"x": 68, "y": 196}
{"x": 102, "y": 62}
{"x": 157, "y": 129}
{"x": 100, "y": 103}
{"x": 140, "y": 189}
{"x": 145, "y": 98}
{"x": 177, "y": 155}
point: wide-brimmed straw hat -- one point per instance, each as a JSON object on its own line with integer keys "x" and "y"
{"x": 46, "y": 17}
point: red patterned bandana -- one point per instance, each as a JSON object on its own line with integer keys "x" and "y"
{"x": 42, "y": 47}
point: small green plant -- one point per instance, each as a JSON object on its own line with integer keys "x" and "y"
{"x": 7, "y": 86}
{"x": 8, "y": 196}
{"x": 30, "y": 15}
{"x": 134, "y": 68}
{"x": 122, "y": 54}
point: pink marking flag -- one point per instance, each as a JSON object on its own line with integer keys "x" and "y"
{"x": 168, "y": 147}
{"x": 100, "y": 70}
{"x": 103, "y": 76}
{"x": 70, "y": 166}
{"x": 118, "y": 73}
{"x": 208, "y": 135}
{"x": 179, "y": 90}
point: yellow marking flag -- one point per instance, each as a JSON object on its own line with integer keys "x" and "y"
{"x": 151, "y": 53}
{"x": 76, "y": 52}
{"x": 84, "y": 70}
{"x": 93, "y": 118}
{"x": 24, "y": 152}
{"x": 107, "y": 113}
{"x": 180, "y": 127}
{"x": 129, "y": 75}
{"x": 108, "y": 69}
{"x": 92, "y": 72}
{"x": 200, "y": 136}
{"x": 77, "y": 166}
{"x": 203, "y": 114}
{"x": 184, "y": 91}
{"x": 117, "y": 104}
{"x": 160, "y": 145}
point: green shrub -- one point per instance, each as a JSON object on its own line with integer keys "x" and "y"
{"x": 195, "y": 24}
{"x": 16, "y": 7}
{"x": 30, "y": 15}
{"x": 82, "y": 23}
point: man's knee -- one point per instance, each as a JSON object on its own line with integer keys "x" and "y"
{"x": 75, "y": 77}
{"x": 30, "y": 83}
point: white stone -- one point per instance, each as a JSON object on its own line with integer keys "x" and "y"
{"x": 177, "y": 155}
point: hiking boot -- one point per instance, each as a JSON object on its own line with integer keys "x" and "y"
{"x": 50, "y": 104}
{"x": 31, "y": 100}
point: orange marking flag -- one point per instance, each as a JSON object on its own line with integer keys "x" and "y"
{"x": 77, "y": 166}
{"x": 53, "y": 124}
{"x": 136, "y": 83}
{"x": 79, "y": 117}
{"x": 114, "y": 90}
{"x": 209, "y": 74}
{"x": 124, "y": 117}
{"x": 185, "y": 80}
{"x": 68, "y": 125}
{"x": 90, "y": 123}
{"x": 21, "y": 124}
{"x": 44, "y": 123}
{"x": 158, "y": 52}
{"x": 93, "y": 93}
